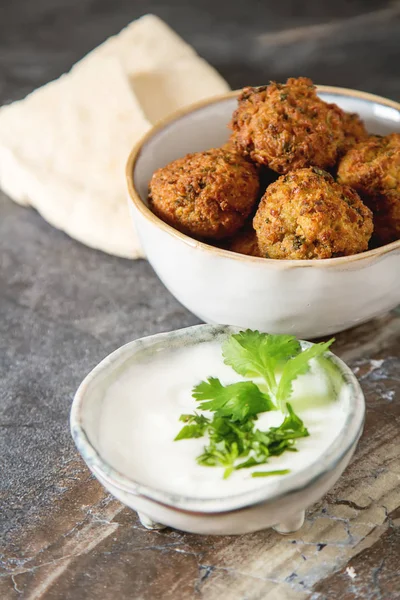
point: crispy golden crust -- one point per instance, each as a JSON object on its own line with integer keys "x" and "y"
{"x": 306, "y": 215}
{"x": 286, "y": 126}
{"x": 372, "y": 167}
{"x": 354, "y": 131}
{"x": 207, "y": 194}
{"x": 245, "y": 242}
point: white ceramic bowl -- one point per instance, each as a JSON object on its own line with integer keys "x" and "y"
{"x": 307, "y": 298}
{"x": 250, "y": 511}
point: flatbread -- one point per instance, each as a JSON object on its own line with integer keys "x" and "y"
{"x": 96, "y": 220}
{"x": 164, "y": 90}
{"x": 64, "y": 147}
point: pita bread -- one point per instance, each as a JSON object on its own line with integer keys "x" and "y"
{"x": 63, "y": 148}
{"x": 165, "y": 90}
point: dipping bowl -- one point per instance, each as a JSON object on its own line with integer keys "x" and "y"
{"x": 281, "y": 507}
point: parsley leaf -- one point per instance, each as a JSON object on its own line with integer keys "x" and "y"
{"x": 251, "y": 462}
{"x": 254, "y": 354}
{"x": 230, "y": 441}
{"x": 269, "y": 473}
{"x": 299, "y": 365}
{"x": 233, "y": 441}
{"x": 291, "y": 428}
{"x": 221, "y": 451}
{"x": 195, "y": 428}
{"x": 237, "y": 400}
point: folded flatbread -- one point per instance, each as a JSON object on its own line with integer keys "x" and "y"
{"x": 64, "y": 147}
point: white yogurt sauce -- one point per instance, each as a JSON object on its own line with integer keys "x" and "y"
{"x": 140, "y": 418}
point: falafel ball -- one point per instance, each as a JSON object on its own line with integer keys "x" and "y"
{"x": 286, "y": 126}
{"x": 372, "y": 168}
{"x": 354, "y": 131}
{"x": 207, "y": 194}
{"x": 245, "y": 242}
{"x": 306, "y": 214}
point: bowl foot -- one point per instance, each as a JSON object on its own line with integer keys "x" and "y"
{"x": 292, "y": 523}
{"x": 149, "y": 523}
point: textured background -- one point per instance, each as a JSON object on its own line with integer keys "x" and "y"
{"x": 63, "y": 307}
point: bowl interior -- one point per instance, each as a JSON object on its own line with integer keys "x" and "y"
{"x": 88, "y": 405}
{"x": 206, "y": 127}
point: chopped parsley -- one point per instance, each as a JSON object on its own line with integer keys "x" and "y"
{"x": 269, "y": 473}
{"x": 233, "y": 440}
{"x": 196, "y": 426}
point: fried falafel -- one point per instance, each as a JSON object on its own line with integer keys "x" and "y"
{"x": 245, "y": 242}
{"x": 206, "y": 194}
{"x": 354, "y": 130}
{"x": 372, "y": 168}
{"x": 287, "y": 126}
{"x": 307, "y": 215}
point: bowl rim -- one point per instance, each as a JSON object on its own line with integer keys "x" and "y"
{"x": 296, "y": 482}
{"x": 138, "y": 203}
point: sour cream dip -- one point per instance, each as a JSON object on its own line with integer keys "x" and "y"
{"x": 140, "y": 414}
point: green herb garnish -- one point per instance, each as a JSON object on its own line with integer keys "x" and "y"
{"x": 230, "y": 441}
{"x": 298, "y": 365}
{"x": 237, "y": 400}
{"x": 231, "y": 430}
{"x": 269, "y": 473}
{"x": 254, "y": 354}
{"x": 196, "y": 426}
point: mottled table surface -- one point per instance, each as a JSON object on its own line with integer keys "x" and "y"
{"x": 63, "y": 307}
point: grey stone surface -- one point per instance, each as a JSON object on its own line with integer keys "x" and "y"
{"x": 352, "y": 44}
{"x": 63, "y": 307}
